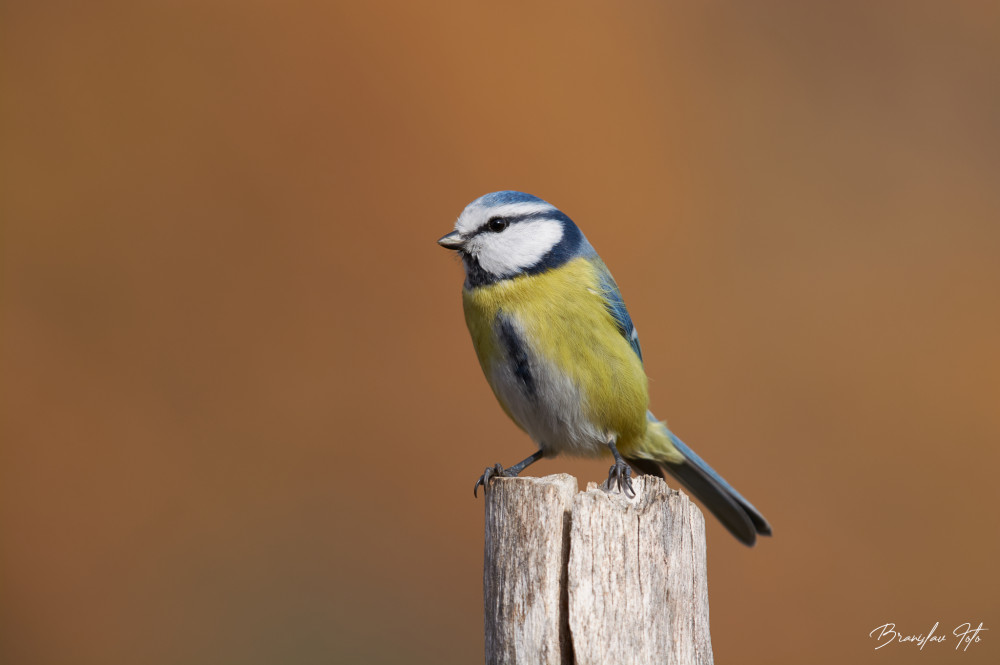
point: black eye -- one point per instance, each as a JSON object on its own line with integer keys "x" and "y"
{"x": 497, "y": 224}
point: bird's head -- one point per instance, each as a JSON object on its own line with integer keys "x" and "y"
{"x": 507, "y": 234}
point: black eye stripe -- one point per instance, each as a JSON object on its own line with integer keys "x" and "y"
{"x": 515, "y": 219}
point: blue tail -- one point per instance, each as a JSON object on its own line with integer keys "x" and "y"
{"x": 736, "y": 513}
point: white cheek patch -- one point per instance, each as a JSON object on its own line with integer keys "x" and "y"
{"x": 520, "y": 246}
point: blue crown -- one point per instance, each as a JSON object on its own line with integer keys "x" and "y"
{"x": 505, "y": 198}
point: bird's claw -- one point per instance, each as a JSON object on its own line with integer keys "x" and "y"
{"x": 489, "y": 474}
{"x": 621, "y": 475}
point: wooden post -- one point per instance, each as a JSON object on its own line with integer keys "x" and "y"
{"x": 524, "y": 576}
{"x": 594, "y": 577}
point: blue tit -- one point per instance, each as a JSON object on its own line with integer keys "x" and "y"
{"x": 559, "y": 350}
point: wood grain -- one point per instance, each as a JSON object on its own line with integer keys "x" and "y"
{"x": 593, "y": 577}
{"x": 524, "y": 576}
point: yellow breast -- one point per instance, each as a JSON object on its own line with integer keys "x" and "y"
{"x": 571, "y": 335}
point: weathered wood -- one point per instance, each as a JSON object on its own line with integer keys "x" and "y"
{"x": 638, "y": 588}
{"x": 594, "y": 577}
{"x": 524, "y": 576}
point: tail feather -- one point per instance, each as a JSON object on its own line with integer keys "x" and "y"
{"x": 736, "y": 513}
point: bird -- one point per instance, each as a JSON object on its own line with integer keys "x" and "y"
{"x": 559, "y": 350}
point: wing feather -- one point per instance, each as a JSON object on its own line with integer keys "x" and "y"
{"x": 616, "y": 307}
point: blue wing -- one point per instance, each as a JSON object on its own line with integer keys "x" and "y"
{"x": 616, "y": 307}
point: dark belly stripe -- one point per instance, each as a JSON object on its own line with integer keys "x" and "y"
{"x": 517, "y": 355}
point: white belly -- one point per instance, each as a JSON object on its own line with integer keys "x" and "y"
{"x": 541, "y": 398}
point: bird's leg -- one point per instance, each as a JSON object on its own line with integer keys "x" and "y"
{"x": 620, "y": 473}
{"x": 497, "y": 470}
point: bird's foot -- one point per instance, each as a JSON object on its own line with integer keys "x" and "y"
{"x": 621, "y": 475}
{"x": 497, "y": 470}
{"x": 491, "y": 472}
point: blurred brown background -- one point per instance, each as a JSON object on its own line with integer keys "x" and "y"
{"x": 233, "y": 356}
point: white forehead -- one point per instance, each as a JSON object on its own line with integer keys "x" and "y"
{"x": 476, "y": 214}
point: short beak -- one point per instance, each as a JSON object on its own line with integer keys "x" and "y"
{"x": 452, "y": 241}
